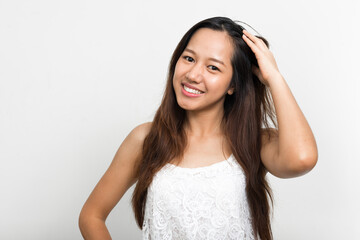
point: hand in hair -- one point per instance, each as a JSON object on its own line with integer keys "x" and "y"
{"x": 268, "y": 68}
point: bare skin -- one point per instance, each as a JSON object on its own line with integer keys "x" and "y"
{"x": 290, "y": 152}
{"x": 118, "y": 178}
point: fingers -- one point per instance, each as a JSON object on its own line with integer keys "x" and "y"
{"x": 253, "y": 41}
{"x": 250, "y": 43}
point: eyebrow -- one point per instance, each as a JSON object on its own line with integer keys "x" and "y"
{"x": 213, "y": 59}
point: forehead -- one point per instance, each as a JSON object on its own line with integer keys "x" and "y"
{"x": 211, "y": 43}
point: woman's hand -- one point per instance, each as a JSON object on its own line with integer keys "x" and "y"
{"x": 268, "y": 68}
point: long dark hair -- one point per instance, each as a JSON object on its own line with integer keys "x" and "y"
{"x": 246, "y": 111}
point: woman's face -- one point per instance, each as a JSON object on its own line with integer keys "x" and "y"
{"x": 203, "y": 72}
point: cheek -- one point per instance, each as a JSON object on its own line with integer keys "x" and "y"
{"x": 218, "y": 82}
{"x": 219, "y": 85}
{"x": 176, "y": 72}
{"x": 177, "y": 76}
{"x": 179, "y": 69}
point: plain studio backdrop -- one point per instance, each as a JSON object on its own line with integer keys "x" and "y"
{"x": 77, "y": 76}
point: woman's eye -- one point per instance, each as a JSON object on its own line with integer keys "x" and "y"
{"x": 190, "y": 59}
{"x": 214, "y": 68}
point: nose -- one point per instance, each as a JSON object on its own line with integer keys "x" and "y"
{"x": 195, "y": 73}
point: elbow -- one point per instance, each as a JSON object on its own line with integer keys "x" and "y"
{"x": 308, "y": 157}
{"x": 88, "y": 218}
{"x": 295, "y": 164}
{"x": 88, "y": 225}
{"x": 304, "y": 163}
{"x": 308, "y": 163}
{"x": 82, "y": 221}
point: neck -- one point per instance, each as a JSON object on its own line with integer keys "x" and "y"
{"x": 204, "y": 123}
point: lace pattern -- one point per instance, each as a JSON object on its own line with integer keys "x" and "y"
{"x": 198, "y": 203}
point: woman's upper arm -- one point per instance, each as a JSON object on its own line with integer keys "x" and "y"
{"x": 281, "y": 165}
{"x": 270, "y": 150}
{"x": 119, "y": 177}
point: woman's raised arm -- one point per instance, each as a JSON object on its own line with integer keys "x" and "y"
{"x": 291, "y": 150}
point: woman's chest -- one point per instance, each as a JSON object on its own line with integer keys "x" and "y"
{"x": 200, "y": 203}
{"x": 219, "y": 186}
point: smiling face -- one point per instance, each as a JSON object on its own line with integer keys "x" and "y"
{"x": 203, "y": 72}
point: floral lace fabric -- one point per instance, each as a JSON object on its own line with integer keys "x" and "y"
{"x": 198, "y": 203}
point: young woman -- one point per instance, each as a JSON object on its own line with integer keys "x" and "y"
{"x": 200, "y": 166}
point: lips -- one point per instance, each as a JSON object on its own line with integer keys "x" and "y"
{"x": 190, "y": 92}
{"x": 189, "y": 87}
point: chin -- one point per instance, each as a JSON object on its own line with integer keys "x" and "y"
{"x": 185, "y": 103}
{"x": 184, "y": 106}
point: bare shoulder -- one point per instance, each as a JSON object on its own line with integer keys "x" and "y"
{"x": 130, "y": 151}
{"x": 134, "y": 141}
{"x": 139, "y": 133}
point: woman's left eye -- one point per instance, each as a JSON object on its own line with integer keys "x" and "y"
{"x": 214, "y": 68}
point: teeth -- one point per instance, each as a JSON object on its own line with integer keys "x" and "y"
{"x": 190, "y": 90}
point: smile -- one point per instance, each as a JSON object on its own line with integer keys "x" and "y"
{"x": 190, "y": 90}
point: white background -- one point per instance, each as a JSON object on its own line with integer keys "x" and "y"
{"x": 77, "y": 76}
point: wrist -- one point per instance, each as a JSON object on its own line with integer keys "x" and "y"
{"x": 275, "y": 79}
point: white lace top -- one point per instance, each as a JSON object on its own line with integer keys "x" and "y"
{"x": 198, "y": 203}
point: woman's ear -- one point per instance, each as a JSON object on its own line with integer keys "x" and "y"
{"x": 230, "y": 91}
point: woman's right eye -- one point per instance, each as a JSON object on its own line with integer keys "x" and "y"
{"x": 187, "y": 58}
